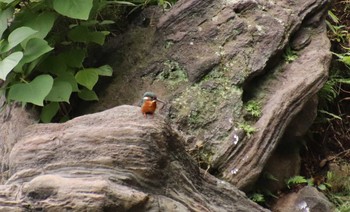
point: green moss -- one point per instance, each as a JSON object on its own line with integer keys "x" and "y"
{"x": 200, "y": 104}
{"x": 172, "y": 74}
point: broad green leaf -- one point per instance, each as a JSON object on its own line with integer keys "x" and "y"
{"x": 49, "y": 111}
{"x": 88, "y": 95}
{"x": 69, "y": 77}
{"x": 84, "y": 35}
{"x": 79, "y": 9}
{"x": 33, "y": 92}
{"x": 74, "y": 58}
{"x": 9, "y": 63}
{"x": 17, "y": 36}
{"x": 35, "y": 48}
{"x": 5, "y": 15}
{"x": 32, "y": 65}
{"x": 60, "y": 92}
{"x": 54, "y": 64}
{"x": 87, "y": 78}
{"x": 105, "y": 70}
{"x": 41, "y": 22}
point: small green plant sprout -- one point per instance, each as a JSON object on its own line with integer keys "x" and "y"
{"x": 253, "y": 108}
{"x": 344, "y": 58}
{"x": 338, "y": 32}
{"x": 165, "y": 4}
{"x": 317, "y": 181}
{"x": 247, "y": 128}
{"x": 296, "y": 181}
{"x": 258, "y": 198}
{"x": 289, "y": 55}
{"x": 269, "y": 176}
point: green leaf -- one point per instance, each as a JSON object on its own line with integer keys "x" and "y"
{"x": 330, "y": 114}
{"x": 84, "y": 35}
{"x": 69, "y": 77}
{"x": 54, "y": 64}
{"x": 344, "y": 81}
{"x": 322, "y": 187}
{"x": 106, "y": 22}
{"x": 9, "y": 63}
{"x": 17, "y": 36}
{"x": 32, "y": 65}
{"x": 41, "y": 22}
{"x": 74, "y": 58}
{"x": 88, "y": 95}
{"x": 105, "y": 70}
{"x": 60, "y": 92}
{"x": 35, "y": 48}
{"x": 33, "y": 92}
{"x": 87, "y": 78}
{"x": 79, "y": 9}
{"x": 345, "y": 59}
{"x": 49, "y": 111}
{"x": 333, "y": 17}
{"x": 5, "y": 15}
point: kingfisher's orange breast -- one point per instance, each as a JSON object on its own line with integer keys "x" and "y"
{"x": 148, "y": 107}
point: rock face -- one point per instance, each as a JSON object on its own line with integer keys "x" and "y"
{"x": 110, "y": 161}
{"x": 213, "y": 61}
{"x": 235, "y": 74}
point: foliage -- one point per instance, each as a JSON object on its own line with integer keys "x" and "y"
{"x": 258, "y": 198}
{"x": 316, "y": 182}
{"x": 331, "y": 130}
{"x": 253, "y": 108}
{"x": 247, "y": 128}
{"x": 338, "y": 33}
{"x": 289, "y": 55}
{"x": 296, "y": 180}
{"x": 44, "y": 46}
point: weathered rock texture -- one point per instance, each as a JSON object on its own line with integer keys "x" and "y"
{"x": 110, "y": 161}
{"x": 307, "y": 199}
{"x": 209, "y": 58}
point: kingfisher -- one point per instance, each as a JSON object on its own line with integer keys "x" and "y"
{"x": 149, "y": 103}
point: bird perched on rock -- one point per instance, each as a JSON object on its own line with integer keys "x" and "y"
{"x": 149, "y": 103}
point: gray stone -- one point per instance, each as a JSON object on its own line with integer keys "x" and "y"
{"x": 115, "y": 160}
{"x": 224, "y": 52}
{"x": 306, "y": 199}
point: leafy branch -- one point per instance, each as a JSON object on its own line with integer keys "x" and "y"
{"x": 43, "y": 48}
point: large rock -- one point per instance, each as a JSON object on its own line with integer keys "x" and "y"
{"x": 307, "y": 199}
{"x": 110, "y": 161}
{"x": 209, "y": 58}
